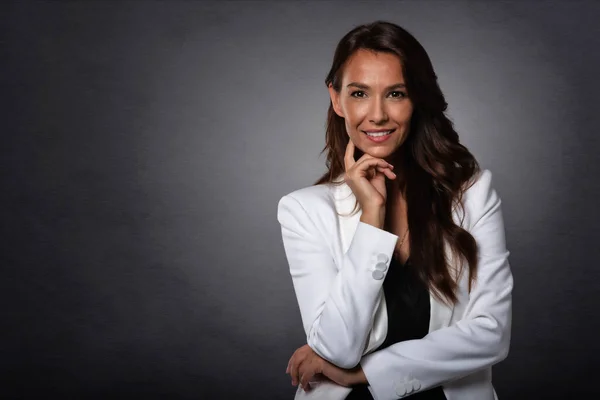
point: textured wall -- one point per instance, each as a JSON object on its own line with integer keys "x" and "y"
{"x": 145, "y": 146}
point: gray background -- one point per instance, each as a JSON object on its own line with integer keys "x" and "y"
{"x": 145, "y": 146}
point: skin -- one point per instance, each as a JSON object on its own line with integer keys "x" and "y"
{"x": 378, "y": 105}
{"x": 306, "y": 365}
{"x": 372, "y": 96}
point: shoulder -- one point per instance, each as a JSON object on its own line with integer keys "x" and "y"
{"x": 479, "y": 186}
{"x": 314, "y": 204}
{"x": 480, "y": 196}
{"x": 310, "y": 196}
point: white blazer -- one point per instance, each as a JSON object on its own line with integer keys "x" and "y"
{"x": 332, "y": 259}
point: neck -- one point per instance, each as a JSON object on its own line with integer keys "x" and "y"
{"x": 398, "y": 160}
{"x": 394, "y": 195}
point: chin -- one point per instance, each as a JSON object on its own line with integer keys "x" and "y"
{"x": 381, "y": 151}
{"x": 389, "y": 154}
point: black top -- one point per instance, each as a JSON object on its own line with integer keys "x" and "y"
{"x": 407, "y": 301}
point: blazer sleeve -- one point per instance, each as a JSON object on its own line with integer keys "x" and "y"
{"x": 337, "y": 302}
{"x": 477, "y": 341}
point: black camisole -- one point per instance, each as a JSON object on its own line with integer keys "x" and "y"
{"x": 407, "y": 302}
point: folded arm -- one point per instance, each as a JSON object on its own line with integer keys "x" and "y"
{"x": 480, "y": 339}
{"x": 337, "y": 303}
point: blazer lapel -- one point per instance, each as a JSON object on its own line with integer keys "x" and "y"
{"x": 344, "y": 203}
{"x": 440, "y": 313}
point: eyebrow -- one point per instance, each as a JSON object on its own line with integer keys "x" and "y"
{"x": 365, "y": 87}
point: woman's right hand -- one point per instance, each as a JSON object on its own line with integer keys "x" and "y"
{"x": 366, "y": 178}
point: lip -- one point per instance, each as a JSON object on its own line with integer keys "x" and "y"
{"x": 379, "y": 130}
{"x": 379, "y": 139}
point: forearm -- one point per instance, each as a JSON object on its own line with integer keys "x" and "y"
{"x": 375, "y": 217}
{"x": 337, "y": 297}
{"x": 340, "y": 332}
{"x": 477, "y": 342}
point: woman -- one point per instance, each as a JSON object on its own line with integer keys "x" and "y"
{"x": 397, "y": 254}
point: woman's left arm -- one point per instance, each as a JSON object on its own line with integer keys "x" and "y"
{"x": 480, "y": 339}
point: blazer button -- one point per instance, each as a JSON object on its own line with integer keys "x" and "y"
{"x": 400, "y": 389}
{"x": 381, "y": 266}
{"x": 382, "y": 258}
{"x": 416, "y": 384}
{"x": 377, "y": 274}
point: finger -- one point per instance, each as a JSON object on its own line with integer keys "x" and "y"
{"x": 363, "y": 165}
{"x": 299, "y": 378}
{"x": 294, "y": 364}
{"x": 305, "y": 375}
{"x": 287, "y": 369}
{"x": 294, "y": 372}
{"x": 306, "y": 386}
{"x": 296, "y": 367}
{"x": 387, "y": 172}
{"x": 370, "y": 161}
{"x": 372, "y": 172}
{"x": 349, "y": 160}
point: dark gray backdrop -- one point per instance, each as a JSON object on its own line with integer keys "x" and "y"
{"x": 145, "y": 146}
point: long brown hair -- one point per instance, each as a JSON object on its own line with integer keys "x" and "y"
{"x": 436, "y": 168}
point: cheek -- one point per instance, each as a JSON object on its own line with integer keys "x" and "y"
{"x": 403, "y": 114}
{"x": 350, "y": 127}
{"x": 407, "y": 114}
{"x": 355, "y": 113}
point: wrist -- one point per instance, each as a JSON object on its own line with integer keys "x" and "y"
{"x": 375, "y": 217}
{"x": 362, "y": 378}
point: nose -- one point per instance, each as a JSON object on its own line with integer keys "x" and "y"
{"x": 377, "y": 113}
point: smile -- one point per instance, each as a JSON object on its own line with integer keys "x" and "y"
{"x": 379, "y": 137}
{"x": 378, "y": 134}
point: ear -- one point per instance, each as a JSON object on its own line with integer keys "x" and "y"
{"x": 335, "y": 100}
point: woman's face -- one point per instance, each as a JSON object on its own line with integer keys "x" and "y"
{"x": 373, "y": 98}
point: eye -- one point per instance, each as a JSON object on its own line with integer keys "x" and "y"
{"x": 399, "y": 94}
{"x": 354, "y": 94}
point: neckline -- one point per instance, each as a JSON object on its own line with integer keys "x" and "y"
{"x": 399, "y": 261}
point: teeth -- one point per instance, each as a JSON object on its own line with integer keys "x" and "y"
{"x": 379, "y": 133}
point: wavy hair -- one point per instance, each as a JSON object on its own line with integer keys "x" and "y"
{"x": 436, "y": 168}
